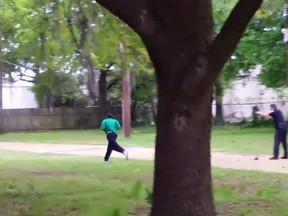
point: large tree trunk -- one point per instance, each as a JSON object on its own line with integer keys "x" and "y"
{"x": 49, "y": 101}
{"x": 133, "y": 112}
{"x": 178, "y": 37}
{"x": 182, "y": 179}
{"x": 182, "y": 183}
{"x": 92, "y": 84}
{"x": 84, "y": 56}
{"x": 134, "y": 104}
{"x": 219, "y": 119}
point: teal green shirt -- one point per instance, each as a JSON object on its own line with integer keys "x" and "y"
{"x": 110, "y": 125}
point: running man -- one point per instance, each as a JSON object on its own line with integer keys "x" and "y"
{"x": 280, "y": 130}
{"x": 111, "y": 126}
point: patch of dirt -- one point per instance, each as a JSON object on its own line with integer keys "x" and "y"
{"x": 143, "y": 210}
{"x": 38, "y": 173}
{"x": 239, "y": 185}
{"x": 15, "y": 208}
{"x": 49, "y": 173}
{"x": 115, "y": 177}
{"x": 224, "y": 209}
{"x": 241, "y": 208}
{"x": 58, "y": 210}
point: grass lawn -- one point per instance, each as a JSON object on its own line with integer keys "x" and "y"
{"x": 140, "y": 137}
{"x": 231, "y": 139}
{"x": 34, "y": 185}
{"x": 243, "y": 140}
{"x": 37, "y": 185}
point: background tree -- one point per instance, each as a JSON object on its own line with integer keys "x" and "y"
{"x": 35, "y": 46}
{"x": 72, "y": 36}
{"x": 257, "y": 46}
{"x": 273, "y": 53}
{"x": 63, "y": 89}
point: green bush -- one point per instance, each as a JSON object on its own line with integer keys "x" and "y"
{"x": 149, "y": 196}
{"x": 135, "y": 191}
{"x": 259, "y": 123}
{"x": 114, "y": 212}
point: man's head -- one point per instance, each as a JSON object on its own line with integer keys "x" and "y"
{"x": 109, "y": 115}
{"x": 273, "y": 107}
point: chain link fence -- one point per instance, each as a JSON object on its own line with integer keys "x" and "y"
{"x": 240, "y": 112}
{"x": 232, "y": 113}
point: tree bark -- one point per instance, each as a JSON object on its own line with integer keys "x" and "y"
{"x": 133, "y": 111}
{"x": 91, "y": 78}
{"x": 182, "y": 178}
{"x": 182, "y": 183}
{"x": 84, "y": 57}
{"x": 178, "y": 37}
{"x": 219, "y": 119}
{"x": 153, "y": 108}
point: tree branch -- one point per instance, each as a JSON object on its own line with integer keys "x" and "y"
{"x": 26, "y": 80}
{"x": 18, "y": 65}
{"x": 83, "y": 27}
{"x": 69, "y": 21}
{"x": 130, "y": 11}
{"x": 226, "y": 41}
{"x": 114, "y": 82}
{"x": 25, "y": 75}
{"x": 107, "y": 68}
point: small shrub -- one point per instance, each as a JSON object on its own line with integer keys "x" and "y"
{"x": 15, "y": 190}
{"x": 260, "y": 123}
{"x": 149, "y": 196}
{"x": 136, "y": 190}
{"x": 114, "y": 212}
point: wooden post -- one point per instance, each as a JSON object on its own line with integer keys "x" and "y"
{"x": 1, "y": 88}
{"x": 126, "y": 103}
{"x": 285, "y": 37}
{"x": 286, "y": 65}
{"x": 126, "y": 93}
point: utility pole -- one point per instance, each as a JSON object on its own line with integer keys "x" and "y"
{"x": 1, "y": 88}
{"x": 1, "y": 80}
{"x": 126, "y": 102}
{"x": 126, "y": 93}
{"x": 286, "y": 37}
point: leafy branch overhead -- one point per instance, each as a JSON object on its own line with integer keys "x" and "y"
{"x": 261, "y": 44}
{"x": 70, "y": 36}
{"x": 145, "y": 17}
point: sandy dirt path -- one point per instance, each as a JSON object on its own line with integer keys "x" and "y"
{"x": 219, "y": 159}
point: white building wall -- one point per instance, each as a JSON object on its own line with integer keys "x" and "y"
{"x": 18, "y": 97}
{"x": 246, "y": 93}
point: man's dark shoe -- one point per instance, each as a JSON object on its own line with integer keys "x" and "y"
{"x": 284, "y": 157}
{"x": 274, "y": 158}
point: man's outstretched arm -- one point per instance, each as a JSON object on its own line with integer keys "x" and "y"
{"x": 262, "y": 114}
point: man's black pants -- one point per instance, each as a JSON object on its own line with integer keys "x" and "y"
{"x": 280, "y": 137}
{"x": 112, "y": 145}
